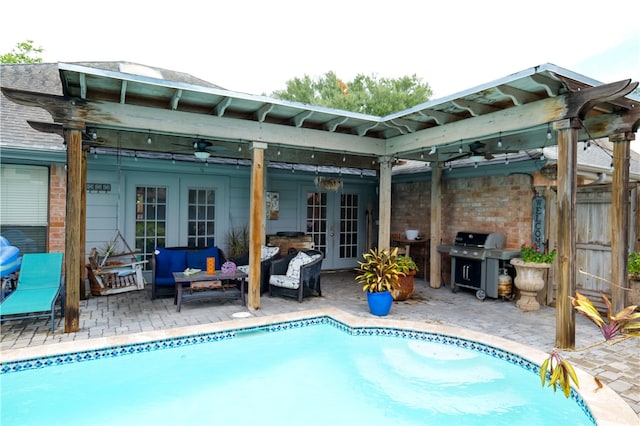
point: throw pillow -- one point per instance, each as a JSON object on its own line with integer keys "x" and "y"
{"x": 268, "y": 252}
{"x": 296, "y": 263}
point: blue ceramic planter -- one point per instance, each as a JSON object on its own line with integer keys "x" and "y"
{"x": 379, "y": 303}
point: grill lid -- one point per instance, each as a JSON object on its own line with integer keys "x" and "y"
{"x": 479, "y": 240}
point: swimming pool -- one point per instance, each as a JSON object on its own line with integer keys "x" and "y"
{"x": 400, "y": 376}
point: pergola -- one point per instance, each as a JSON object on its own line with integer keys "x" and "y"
{"x": 512, "y": 114}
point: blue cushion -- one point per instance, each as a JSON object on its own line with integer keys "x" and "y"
{"x": 198, "y": 258}
{"x": 169, "y": 261}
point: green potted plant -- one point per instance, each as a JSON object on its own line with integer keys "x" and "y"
{"x": 531, "y": 267}
{"x": 238, "y": 241}
{"x": 378, "y": 274}
{"x": 406, "y": 285}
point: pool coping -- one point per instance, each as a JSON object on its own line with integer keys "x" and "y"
{"x": 606, "y": 406}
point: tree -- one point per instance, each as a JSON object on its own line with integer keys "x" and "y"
{"x": 365, "y": 94}
{"x": 24, "y": 53}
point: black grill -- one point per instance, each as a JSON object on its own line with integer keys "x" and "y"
{"x": 476, "y": 261}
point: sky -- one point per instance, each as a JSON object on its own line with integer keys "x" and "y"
{"x": 255, "y": 46}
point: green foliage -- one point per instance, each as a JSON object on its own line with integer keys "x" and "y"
{"x": 562, "y": 373}
{"x": 379, "y": 271}
{"x": 625, "y": 321}
{"x": 406, "y": 264}
{"x": 238, "y": 241}
{"x": 633, "y": 265}
{"x": 365, "y": 94}
{"x": 24, "y": 53}
{"x": 533, "y": 254}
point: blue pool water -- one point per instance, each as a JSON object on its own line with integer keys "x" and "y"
{"x": 306, "y": 373}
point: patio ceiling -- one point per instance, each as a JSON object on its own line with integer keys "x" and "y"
{"x": 512, "y": 114}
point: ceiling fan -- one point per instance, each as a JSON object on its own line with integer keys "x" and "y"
{"x": 203, "y": 149}
{"x": 478, "y": 151}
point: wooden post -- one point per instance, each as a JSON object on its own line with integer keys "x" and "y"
{"x": 620, "y": 218}
{"x": 384, "y": 206}
{"x": 256, "y": 225}
{"x": 566, "y": 214}
{"x": 73, "y": 224}
{"x": 83, "y": 225}
{"x": 435, "y": 259}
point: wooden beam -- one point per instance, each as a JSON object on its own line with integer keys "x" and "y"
{"x": 256, "y": 224}
{"x": 620, "y": 218}
{"x": 435, "y": 259}
{"x": 72, "y": 252}
{"x": 566, "y": 214}
{"x": 384, "y": 207}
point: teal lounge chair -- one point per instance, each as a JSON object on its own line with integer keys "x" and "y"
{"x": 39, "y": 286}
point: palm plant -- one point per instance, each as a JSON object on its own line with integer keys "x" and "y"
{"x": 380, "y": 270}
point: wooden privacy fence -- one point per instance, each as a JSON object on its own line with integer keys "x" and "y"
{"x": 593, "y": 244}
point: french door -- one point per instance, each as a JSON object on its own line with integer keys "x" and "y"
{"x": 333, "y": 220}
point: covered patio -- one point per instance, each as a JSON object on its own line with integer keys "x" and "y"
{"x": 524, "y": 111}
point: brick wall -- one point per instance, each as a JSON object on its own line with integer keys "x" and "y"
{"x": 481, "y": 204}
{"x": 57, "y": 207}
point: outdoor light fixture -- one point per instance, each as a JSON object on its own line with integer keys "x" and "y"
{"x": 203, "y": 155}
{"x": 500, "y": 140}
{"x": 549, "y": 131}
{"x": 149, "y": 138}
{"x": 94, "y": 134}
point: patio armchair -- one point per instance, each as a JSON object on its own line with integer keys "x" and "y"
{"x": 296, "y": 274}
{"x": 267, "y": 255}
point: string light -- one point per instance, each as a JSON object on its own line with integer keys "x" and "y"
{"x": 549, "y": 131}
{"x": 500, "y": 140}
{"x": 149, "y": 138}
{"x": 94, "y": 135}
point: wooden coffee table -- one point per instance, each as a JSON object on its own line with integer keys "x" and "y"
{"x": 205, "y": 286}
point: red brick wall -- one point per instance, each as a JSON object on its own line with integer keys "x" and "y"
{"x": 480, "y": 204}
{"x": 57, "y": 207}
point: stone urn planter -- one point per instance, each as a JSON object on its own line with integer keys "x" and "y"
{"x": 530, "y": 278}
{"x": 634, "y": 295}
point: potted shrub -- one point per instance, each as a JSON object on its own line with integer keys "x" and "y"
{"x": 406, "y": 284}
{"x": 378, "y": 274}
{"x": 531, "y": 267}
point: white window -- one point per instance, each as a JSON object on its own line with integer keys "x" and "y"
{"x": 24, "y": 205}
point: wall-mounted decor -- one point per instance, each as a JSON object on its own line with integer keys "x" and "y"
{"x": 273, "y": 205}
{"x": 328, "y": 184}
